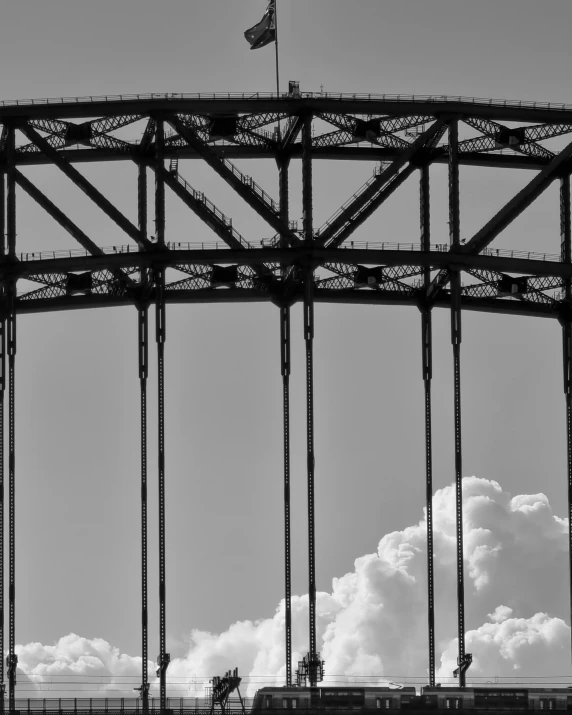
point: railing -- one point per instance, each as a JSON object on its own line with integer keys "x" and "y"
{"x": 274, "y": 242}
{"x": 249, "y": 181}
{"x": 196, "y": 706}
{"x": 97, "y": 705}
{"x": 342, "y": 96}
{"x": 444, "y": 248}
{"x": 348, "y": 203}
{"x": 224, "y": 220}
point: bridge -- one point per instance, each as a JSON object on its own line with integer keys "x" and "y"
{"x": 401, "y": 137}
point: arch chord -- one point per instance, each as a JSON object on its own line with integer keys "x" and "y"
{"x": 402, "y": 135}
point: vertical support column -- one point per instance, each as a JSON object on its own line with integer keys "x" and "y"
{"x": 566, "y": 255}
{"x": 143, "y": 355}
{"x": 309, "y": 339}
{"x": 164, "y": 658}
{"x": 285, "y": 367}
{"x": 2, "y": 391}
{"x": 285, "y": 360}
{"x": 143, "y": 335}
{"x": 426, "y": 331}
{"x": 307, "y": 198}
{"x": 314, "y": 663}
{"x": 160, "y": 183}
{"x": 12, "y": 660}
{"x": 454, "y": 229}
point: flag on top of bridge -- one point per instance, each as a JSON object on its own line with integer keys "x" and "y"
{"x": 264, "y": 32}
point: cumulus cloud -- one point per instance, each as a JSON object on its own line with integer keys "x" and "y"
{"x": 56, "y": 669}
{"x": 374, "y": 620}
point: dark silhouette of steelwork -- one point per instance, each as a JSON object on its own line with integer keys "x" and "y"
{"x": 427, "y": 362}
{"x": 222, "y": 689}
{"x": 402, "y": 137}
{"x": 143, "y": 360}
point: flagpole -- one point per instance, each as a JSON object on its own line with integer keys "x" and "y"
{"x": 276, "y": 31}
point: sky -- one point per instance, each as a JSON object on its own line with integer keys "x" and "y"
{"x": 78, "y": 392}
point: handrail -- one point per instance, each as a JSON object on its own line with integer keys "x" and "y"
{"x": 225, "y": 220}
{"x": 196, "y": 706}
{"x": 341, "y": 96}
{"x": 249, "y": 181}
{"x": 348, "y": 203}
{"x": 267, "y": 243}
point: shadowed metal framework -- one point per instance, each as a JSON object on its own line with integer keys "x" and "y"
{"x": 400, "y": 136}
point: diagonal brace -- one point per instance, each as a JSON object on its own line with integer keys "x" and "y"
{"x": 517, "y": 204}
{"x": 200, "y": 209}
{"x": 364, "y": 198}
{"x": 42, "y": 200}
{"x": 505, "y": 216}
{"x": 89, "y": 190}
{"x": 226, "y": 173}
{"x": 371, "y": 207}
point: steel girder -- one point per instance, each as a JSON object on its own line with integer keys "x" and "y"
{"x": 307, "y": 266}
{"x": 402, "y": 134}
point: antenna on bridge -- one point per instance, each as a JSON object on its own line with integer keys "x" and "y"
{"x": 463, "y": 667}
{"x": 223, "y": 688}
{"x": 312, "y": 668}
{"x": 144, "y": 690}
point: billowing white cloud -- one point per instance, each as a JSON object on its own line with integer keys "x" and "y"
{"x": 76, "y": 666}
{"x": 528, "y": 646}
{"x": 374, "y": 620}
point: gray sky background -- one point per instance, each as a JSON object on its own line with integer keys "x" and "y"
{"x": 77, "y": 390}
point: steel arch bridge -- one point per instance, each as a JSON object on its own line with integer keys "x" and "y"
{"x": 402, "y": 136}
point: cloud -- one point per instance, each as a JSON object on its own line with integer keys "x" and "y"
{"x": 537, "y": 645}
{"x": 374, "y": 620}
{"x": 76, "y": 667}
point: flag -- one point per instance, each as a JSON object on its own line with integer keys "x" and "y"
{"x": 265, "y": 31}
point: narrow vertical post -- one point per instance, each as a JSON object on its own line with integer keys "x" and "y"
{"x": 427, "y": 346}
{"x": 276, "y": 43}
{"x": 309, "y": 339}
{"x": 160, "y": 183}
{"x": 307, "y": 206}
{"x": 2, "y": 391}
{"x": 455, "y": 239}
{"x": 566, "y": 256}
{"x": 164, "y": 658}
{"x": 143, "y": 355}
{"x": 143, "y": 335}
{"x": 12, "y": 660}
{"x": 285, "y": 367}
{"x": 307, "y": 198}
{"x": 285, "y": 359}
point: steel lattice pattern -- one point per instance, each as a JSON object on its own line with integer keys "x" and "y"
{"x": 402, "y": 137}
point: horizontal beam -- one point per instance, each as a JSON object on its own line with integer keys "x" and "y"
{"x": 362, "y": 297}
{"x": 76, "y": 108}
{"x": 350, "y": 152}
{"x": 285, "y": 256}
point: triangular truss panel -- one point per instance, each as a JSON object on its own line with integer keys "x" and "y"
{"x": 280, "y": 184}
{"x": 150, "y": 201}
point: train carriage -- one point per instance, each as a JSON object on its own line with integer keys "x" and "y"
{"x": 271, "y": 700}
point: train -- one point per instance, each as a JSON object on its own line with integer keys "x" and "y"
{"x": 274, "y": 700}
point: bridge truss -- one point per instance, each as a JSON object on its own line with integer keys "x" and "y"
{"x": 402, "y": 137}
